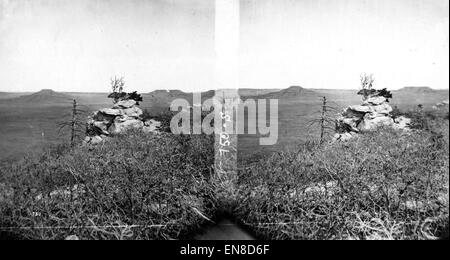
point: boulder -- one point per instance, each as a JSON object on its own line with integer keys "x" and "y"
{"x": 99, "y": 116}
{"x": 384, "y": 109}
{"x": 111, "y": 111}
{"x": 402, "y": 122}
{"x": 352, "y": 123}
{"x": 121, "y": 126}
{"x": 123, "y": 118}
{"x": 102, "y": 126}
{"x": 370, "y": 124}
{"x": 125, "y": 104}
{"x": 377, "y": 100}
{"x": 351, "y": 113}
{"x": 132, "y": 112}
{"x": 151, "y": 126}
{"x": 361, "y": 109}
{"x": 349, "y": 121}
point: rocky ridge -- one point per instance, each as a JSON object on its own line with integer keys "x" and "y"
{"x": 124, "y": 115}
{"x": 374, "y": 112}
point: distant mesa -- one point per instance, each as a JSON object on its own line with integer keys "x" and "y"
{"x": 162, "y": 96}
{"x": 47, "y": 91}
{"x": 255, "y": 92}
{"x": 290, "y": 92}
{"x": 167, "y": 96}
{"x": 294, "y": 90}
{"x": 45, "y": 96}
{"x": 418, "y": 89}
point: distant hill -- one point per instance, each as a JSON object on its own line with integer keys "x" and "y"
{"x": 160, "y": 98}
{"x": 163, "y": 95}
{"x": 43, "y": 97}
{"x": 410, "y": 97}
{"x": 8, "y": 95}
{"x": 406, "y": 97}
{"x": 255, "y": 92}
{"x": 420, "y": 90}
{"x": 163, "y": 98}
{"x": 293, "y": 92}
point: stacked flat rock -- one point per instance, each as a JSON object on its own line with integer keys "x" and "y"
{"x": 124, "y": 115}
{"x": 374, "y": 112}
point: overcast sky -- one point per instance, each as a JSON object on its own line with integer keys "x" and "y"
{"x": 78, "y": 45}
{"x": 168, "y": 44}
{"x": 329, "y": 43}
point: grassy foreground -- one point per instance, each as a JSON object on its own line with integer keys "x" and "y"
{"x": 132, "y": 187}
{"x": 381, "y": 185}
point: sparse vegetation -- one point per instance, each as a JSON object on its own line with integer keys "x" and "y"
{"x": 134, "y": 186}
{"x": 326, "y": 120}
{"x": 117, "y": 91}
{"x": 76, "y": 124}
{"x": 423, "y": 119}
{"x": 366, "y": 85}
{"x": 383, "y": 185}
{"x": 163, "y": 117}
{"x": 117, "y": 85}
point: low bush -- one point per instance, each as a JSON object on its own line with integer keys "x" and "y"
{"x": 422, "y": 119}
{"x": 134, "y": 186}
{"x": 163, "y": 117}
{"x": 385, "y": 184}
{"x": 381, "y": 185}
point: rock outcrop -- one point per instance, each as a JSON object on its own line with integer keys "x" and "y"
{"x": 374, "y": 112}
{"x": 444, "y": 105}
{"x": 124, "y": 115}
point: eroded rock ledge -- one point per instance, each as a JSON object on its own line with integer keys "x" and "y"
{"x": 124, "y": 115}
{"x": 374, "y": 112}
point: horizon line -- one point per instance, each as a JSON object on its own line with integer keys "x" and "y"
{"x": 170, "y": 89}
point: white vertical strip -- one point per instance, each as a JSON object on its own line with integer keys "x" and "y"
{"x": 226, "y": 85}
{"x": 227, "y": 44}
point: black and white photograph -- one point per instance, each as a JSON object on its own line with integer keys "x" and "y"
{"x": 236, "y": 121}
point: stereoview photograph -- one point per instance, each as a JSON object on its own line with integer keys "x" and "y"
{"x": 224, "y": 120}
